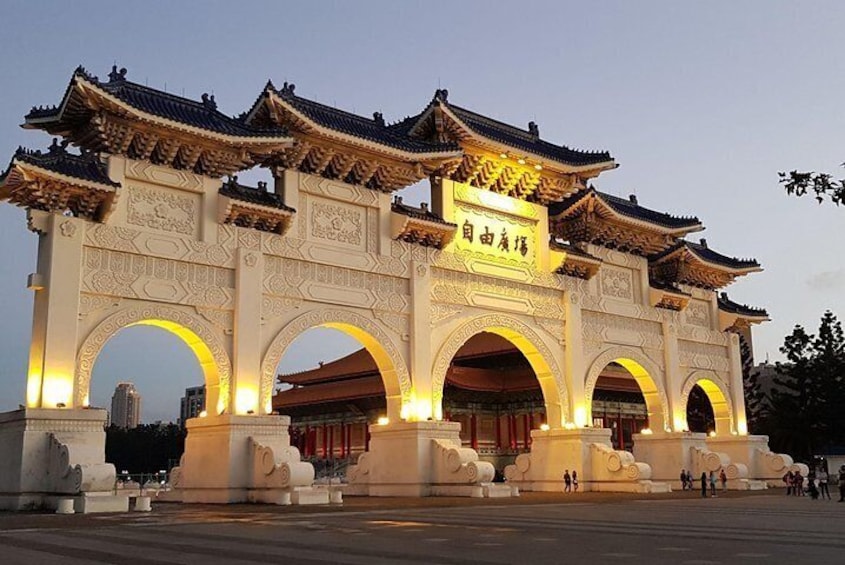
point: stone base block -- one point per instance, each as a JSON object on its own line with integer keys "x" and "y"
{"x": 92, "y": 503}
{"x": 465, "y": 491}
{"x": 309, "y": 495}
{"x": 499, "y": 490}
{"x": 270, "y": 496}
{"x": 668, "y": 453}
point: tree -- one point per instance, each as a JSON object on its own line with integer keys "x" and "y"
{"x": 803, "y": 414}
{"x": 755, "y": 398}
{"x": 822, "y": 184}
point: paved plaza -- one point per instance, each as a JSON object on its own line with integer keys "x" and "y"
{"x": 679, "y": 528}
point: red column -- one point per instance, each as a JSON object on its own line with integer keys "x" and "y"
{"x": 498, "y": 432}
{"x": 342, "y": 441}
{"x": 512, "y": 431}
{"x": 620, "y": 436}
{"x": 331, "y": 441}
{"x": 306, "y": 440}
{"x": 366, "y": 437}
{"x": 473, "y": 431}
{"x": 526, "y": 431}
{"x": 325, "y": 441}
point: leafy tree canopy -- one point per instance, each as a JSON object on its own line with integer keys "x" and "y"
{"x": 823, "y": 185}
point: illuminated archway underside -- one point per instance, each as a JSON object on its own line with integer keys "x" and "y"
{"x": 209, "y": 351}
{"x": 642, "y": 369}
{"x": 719, "y": 397}
{"x": 394, "y": 373}
{"x": 529, "y": 343}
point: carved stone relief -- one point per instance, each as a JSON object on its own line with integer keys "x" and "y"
{"x": 162, "y": 210}
{"x": 335, "y": 222}
{"x": 617, "y": 283}
{"x": 697, "y": 313}
{"x": 461, "y": 288}
{"x": 600, "y": 327}
{"x": 89, "y": 303}
{"x": 115, "y": 273}
{"x": 703, "y": 355}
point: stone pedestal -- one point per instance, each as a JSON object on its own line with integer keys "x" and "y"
{"x": 223, "y": 455}
{"x": 49, "y": 454}
{"x": 419, "y": 459}
{"x": 752, "y": 452}
{"x": 669, "y": 452}
{"x": 586, "y": 451}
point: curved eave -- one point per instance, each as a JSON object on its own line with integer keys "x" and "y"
{"x": 235, "y": 201}
{"x": 630, "y": 220}
{"x": 737, "y": 271}
{"x": 349, "y": 139}
{"x": 85, "y": 88}
{"x": 22, "y": 168}
{"x": 544, "y": 161}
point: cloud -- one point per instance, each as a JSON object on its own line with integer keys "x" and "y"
{"x": 827, "y": 280}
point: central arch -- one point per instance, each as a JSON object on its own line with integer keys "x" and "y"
{"x": 644, "y": 371}
{"x": 529, "y": 343}
{"x": 208, "y": 348}
{"x": 391, "y": 366}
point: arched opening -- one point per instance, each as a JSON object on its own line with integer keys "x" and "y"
{"x": 522, "y": 339}
{"x": 335, "y": 379}
{"x": 699, "y": 412}
{"x": 142, "y": 375}
{"x": 708, "y": 405}
{"x": 492, "y": 389}
{"x": 624, "y": 397}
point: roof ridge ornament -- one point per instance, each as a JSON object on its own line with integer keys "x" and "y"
{"x": 288, "y": 89}
{"x": 534, "y": 129}
{"x": 208, "y": 101}
{"x": 378, "y": 118}
{"x": 117, "y": 75}
{"x": 441, "y": 94}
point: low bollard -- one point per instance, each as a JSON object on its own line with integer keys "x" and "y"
{"x": 65, "y": 506}
{"x": 142, "y": 504}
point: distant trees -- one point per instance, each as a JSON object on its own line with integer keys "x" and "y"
{"x": 148, "y": 448}
{"x": 823, "y": 185}
{"x": 803, "y": 414}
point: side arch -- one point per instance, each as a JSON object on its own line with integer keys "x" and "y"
{"x": 717, "y": 393}
{"x": 391, "y": 365}
{"x": 206, "y": 345}
{"x": 644, "y": 371}
{"x": 529, "y": 343}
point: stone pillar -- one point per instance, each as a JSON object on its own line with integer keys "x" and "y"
{"x": 57, "y": 284}
{"x": 246, "y": 357}
{"x": 673, "y": 376}
{"x": 424, "y": 404}
{"x": 580, "y": 407}
{"x": 737, "y": 390}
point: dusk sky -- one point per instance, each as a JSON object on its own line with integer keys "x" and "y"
{"x": 701, "y": 104}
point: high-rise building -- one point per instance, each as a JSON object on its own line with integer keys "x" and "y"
{"x": 192, "y": 403}
{"x": 125, "y": 406}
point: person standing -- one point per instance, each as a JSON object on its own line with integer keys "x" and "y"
{"x": 683, "y": 479}
{"x": 704, "y": 485}
{"x": 841, "y": 484}
{"x": 788, "y": 479}
{"x": 575, "y": 480}
{"x": 823, "y": 479}
{"x": 798, "y": 487}
{"x": 567, "y": 481}
{"x": 712, "y": 483}
{"x": 690, "y": 483}
{"x": 723, "y": 477}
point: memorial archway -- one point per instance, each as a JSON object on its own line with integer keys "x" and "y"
{"x": 717, "y": 394}
{"x": 529, "y": 344}
{"x": 207, "y": 347}
{"x": 647, "y": 377}
{"x": 385, "y": 354}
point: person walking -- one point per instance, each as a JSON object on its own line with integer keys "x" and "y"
{"x": 712, "y": 483}
{"x": 823, "y": 479}
{"x": 690, "y": 483}
{"x": 704, "y": 485}
{"x": 723, "y": 477}
{"x": 567, "y": 481}
{"x": 841, "y": 484}
{"x": 683, "y": 479}
{"x": 575, "y": 480}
